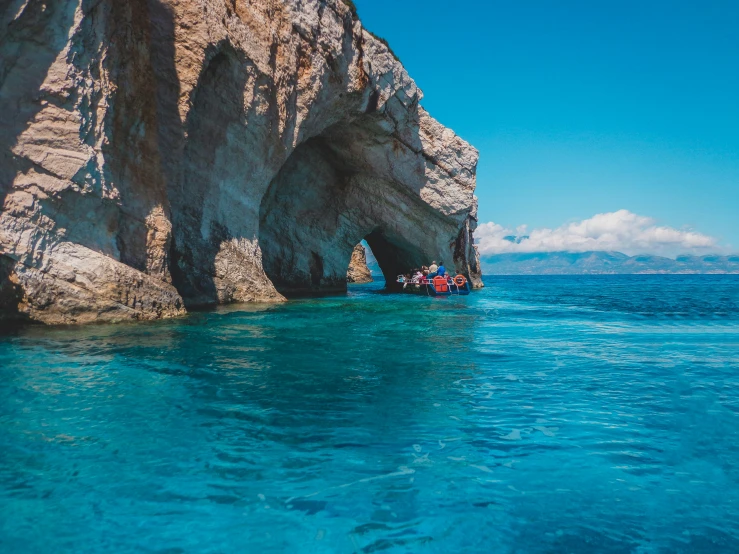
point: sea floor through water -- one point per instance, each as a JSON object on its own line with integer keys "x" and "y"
{"x": 542, "y": 414}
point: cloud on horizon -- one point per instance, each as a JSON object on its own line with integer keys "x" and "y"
{"x": 620, "y": 231}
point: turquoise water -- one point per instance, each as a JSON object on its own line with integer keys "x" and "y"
{"x": 543, "y": 414}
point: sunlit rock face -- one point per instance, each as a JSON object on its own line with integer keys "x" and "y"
{"x": 358, "y": 271}
{"x": 160, "y": 154}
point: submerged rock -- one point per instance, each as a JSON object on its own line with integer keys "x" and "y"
{"x": 159, "y": 154}
{"x": 358, "y": 271}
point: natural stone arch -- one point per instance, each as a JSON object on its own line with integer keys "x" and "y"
{"x": 395, "y": 255}
{"x": 215, "y": 201}
{"x": 148, "y": 162}
{"x": 307, "y": 231}
{"x": 329, "y": 195}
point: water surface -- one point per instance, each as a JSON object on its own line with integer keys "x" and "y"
{"x": 543, "y": 414}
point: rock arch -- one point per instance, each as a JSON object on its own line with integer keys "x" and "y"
{"x": 215, "y": 200}
{"x": 335, "y": 190}
{"x": 214, "y": 152}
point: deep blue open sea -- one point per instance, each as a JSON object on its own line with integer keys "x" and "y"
{"x": 543, "y": 414}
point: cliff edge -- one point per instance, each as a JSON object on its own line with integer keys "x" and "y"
{"x": 160, "y": 154}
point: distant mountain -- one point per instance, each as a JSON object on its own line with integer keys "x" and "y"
{"x": 584, "y": 263}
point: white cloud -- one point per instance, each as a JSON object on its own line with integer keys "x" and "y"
{"x": 620, "y": 231}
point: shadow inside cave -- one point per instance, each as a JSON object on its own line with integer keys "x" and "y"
{"x": 321, "y": 204}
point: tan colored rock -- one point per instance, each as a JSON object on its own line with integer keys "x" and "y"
{"x": 358, "y": 271}
{"x": 157, "y": 154}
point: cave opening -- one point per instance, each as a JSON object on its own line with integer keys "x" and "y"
{"x": 394, "y": 255}
{"x": 397, "y": 259}
{"x": 319, "y": 206}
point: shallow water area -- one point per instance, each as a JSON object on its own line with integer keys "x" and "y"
{"x": 541, "y": 414}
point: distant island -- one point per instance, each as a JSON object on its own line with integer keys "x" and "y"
{"x": 604, "y": 263}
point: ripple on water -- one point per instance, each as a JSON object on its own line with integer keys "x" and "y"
{"x": 539, "y": 415}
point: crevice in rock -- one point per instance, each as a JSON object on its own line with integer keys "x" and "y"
{"x": 374, "y": 100}
{"x": 11, "y": 294}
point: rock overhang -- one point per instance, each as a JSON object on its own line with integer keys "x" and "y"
{"x": 201, "y": 123}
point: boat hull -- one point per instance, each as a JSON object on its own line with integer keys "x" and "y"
{"x": 428, "y": 289}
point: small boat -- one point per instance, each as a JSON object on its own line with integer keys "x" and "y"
{"x": 436, "y": 286}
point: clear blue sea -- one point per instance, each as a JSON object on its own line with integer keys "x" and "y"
{"x": 542, "y": 414}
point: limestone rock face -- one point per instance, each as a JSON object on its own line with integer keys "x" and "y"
{"x": 160, "y": 154}
{"x": 358, "y": 271}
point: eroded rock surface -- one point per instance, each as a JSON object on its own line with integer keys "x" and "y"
{"x": 358, "y": 271}
{"x": 159, "y": 154}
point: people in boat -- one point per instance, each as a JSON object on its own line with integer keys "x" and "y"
{"x": 417, "y": 275}
{"x": 441, "y": 270}
{"x": 432, "y": 270}
{"x": 425, "y": 270}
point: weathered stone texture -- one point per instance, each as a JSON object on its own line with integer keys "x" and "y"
{"x": 358, "y": 271}
{"x": 158, "y": 154}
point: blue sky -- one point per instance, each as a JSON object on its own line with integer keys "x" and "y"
{"x": 581, "y": 108}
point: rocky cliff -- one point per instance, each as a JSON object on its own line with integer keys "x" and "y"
{"x": 160, "y": 154}
{"x": 358, "y": 271}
